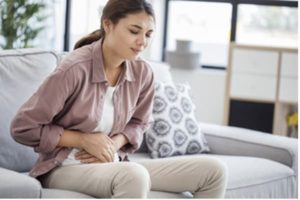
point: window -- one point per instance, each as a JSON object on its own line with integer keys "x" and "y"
{"x": 52, "y": 35}
{"x": 85, "y": 18}
{"x": 212, "y": 24}
{"x": 267, "y": 25}
{"x": 199, "y": 23}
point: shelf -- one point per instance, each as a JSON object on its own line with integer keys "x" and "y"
{"x": 259, "y": 76}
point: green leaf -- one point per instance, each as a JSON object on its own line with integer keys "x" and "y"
{"x": 19, "y": 22}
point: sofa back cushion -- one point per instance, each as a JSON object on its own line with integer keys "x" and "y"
{"x": 161, "y": 71}
{"x": 21, "y": 73}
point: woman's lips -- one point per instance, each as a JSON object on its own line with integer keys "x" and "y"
{"x": 136, "y": 51}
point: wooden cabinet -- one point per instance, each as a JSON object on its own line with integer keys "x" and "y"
{"x": 261, "y": 81}
{"x": 288, "y": 79}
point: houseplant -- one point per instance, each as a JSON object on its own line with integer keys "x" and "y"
{"x": 20, "y": 22}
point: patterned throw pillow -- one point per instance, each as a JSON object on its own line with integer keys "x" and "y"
{"x": 175, "y": 130}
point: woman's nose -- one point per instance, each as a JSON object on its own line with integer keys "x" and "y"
{"x": 142, "y": 41}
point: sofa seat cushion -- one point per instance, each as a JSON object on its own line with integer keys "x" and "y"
{"x": 17, "y": 185}
{"x": 48, "y": 193}
{"x": 251, "y": 177}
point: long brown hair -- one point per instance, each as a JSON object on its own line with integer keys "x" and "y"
{"x": 115, "y": 10}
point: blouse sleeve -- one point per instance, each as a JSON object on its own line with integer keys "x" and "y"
{"x": 33, "y": 123}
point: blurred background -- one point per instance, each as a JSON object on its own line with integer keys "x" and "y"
{"x": 239, "y": 56}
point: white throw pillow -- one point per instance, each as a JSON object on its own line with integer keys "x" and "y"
{"x": 175, "y": 130}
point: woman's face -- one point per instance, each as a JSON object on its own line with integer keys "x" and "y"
{"x": 130, "y": 36}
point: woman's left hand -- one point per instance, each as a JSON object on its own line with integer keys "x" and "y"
{"x": 86, "y": 157}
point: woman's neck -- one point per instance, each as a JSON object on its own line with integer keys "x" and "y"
{"x": 111, "y": 61}
{"x": 112, "y": 65}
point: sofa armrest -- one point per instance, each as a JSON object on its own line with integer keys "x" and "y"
{"x": 229, "y": 140}
{"x": 17, "y": 185}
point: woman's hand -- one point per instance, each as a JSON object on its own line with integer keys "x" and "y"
{"x": 97, "y": 146}
{"x": 86, "y": 157}
{"x": 119, "y": 140}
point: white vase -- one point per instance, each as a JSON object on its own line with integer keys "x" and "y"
{"x": 183, "y": 46}
{"x": 183, "y": 57}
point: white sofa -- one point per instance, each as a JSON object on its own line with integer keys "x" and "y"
{"x": 260, "y": 165}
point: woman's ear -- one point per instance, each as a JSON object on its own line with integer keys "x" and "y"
{"x": 107, "y": 25}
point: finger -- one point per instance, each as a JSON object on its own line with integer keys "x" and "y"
{"x": 84, "y": 156}
{"x": 106, "y": 156}
{"x": 107, "y": 152}
{"x": 90, "y": 160}
{"x": 97, "y": 161}
{"x": 103, "y": 158}
{"x": 111, "y": 155}
{"x": 81, "y": 152}
{"x": 111, "y": 152}
{"x": 110, "y": 141}
{"x": 113, "y": 147}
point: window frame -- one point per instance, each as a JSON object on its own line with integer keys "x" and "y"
{"x": 67, "y": 25}
{"x": 234, "y": 15}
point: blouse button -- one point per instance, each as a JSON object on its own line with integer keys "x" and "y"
{"x": 56, "y": 162}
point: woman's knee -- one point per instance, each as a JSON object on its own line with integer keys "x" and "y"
{"x": 138, "y": 173}
{"x": 219, "y": 171}
{"x": 213, "y": 180}
{"x": 219, "y": 165}
{"x": 135, "y": 180}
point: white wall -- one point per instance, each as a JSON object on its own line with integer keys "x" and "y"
{"x": 208, "y": 85}
{"x": 207, "y": 90}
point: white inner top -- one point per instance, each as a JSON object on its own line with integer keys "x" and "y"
{"x": 104, "y": 126}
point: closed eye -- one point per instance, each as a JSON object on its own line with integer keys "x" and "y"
{"x": 134, "y": 32}
{"x": 148, "y": 35}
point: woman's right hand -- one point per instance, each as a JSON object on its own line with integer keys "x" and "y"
{"x": 98, "y": 145}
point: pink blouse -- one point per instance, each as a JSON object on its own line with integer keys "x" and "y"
{"x": 72, "y": 98}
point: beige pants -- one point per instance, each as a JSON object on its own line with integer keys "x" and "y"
{"x": 204, "y": 177}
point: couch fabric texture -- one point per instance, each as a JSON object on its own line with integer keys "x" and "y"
{"x": 260, "y": 165}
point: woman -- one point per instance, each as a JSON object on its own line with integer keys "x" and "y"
{"x": 93, "y": 110}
